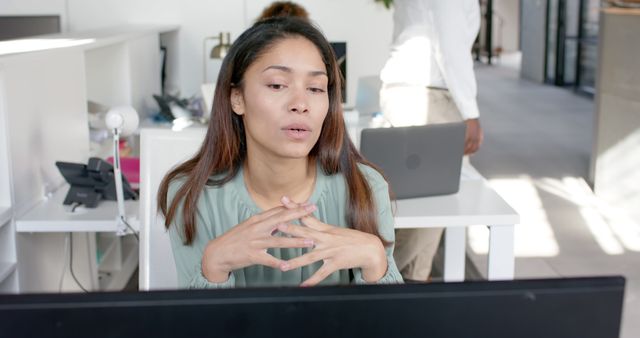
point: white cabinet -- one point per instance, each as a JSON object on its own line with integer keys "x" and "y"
{"x": 8, "y": 276}
{"x": 45, "y": 84}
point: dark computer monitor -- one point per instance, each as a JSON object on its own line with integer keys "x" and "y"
{"x": 340, "y": 50}
{"x": 550, "y": 308}
{"x": 23, "y": 26}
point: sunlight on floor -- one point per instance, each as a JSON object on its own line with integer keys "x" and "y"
{"x": 611, "y": 228}
{"x": 533, "y": 236}
{"x": 617, "y": 178}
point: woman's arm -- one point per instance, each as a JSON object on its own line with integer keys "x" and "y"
{"x": 188, "y": 258}
{"x": 387, "y": 231}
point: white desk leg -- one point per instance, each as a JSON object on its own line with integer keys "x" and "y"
{"x": 501, "y": 258}
{"x": 454, "y": 250}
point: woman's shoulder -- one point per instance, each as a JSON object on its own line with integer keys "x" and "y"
{"x": 174, "y": 185}
{"x": 212, "y": 187}
{"x": 374, "y": 177}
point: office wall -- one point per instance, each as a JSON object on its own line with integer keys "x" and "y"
{"x": 363, "y": 24}
{"x": 35, "y": 138}
{"x": 533, "y": 39}
{"x": 616, "y": 151}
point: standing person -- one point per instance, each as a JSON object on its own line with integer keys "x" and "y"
{"x": 429, "y": 78}
{"x": 278, "y": 195}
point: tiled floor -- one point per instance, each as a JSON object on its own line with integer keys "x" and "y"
{"x": 536, "y": 155}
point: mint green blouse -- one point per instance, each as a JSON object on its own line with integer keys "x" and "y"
{"x": 222, "y": 207}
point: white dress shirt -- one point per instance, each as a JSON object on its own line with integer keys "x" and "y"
{"x": 431, "y": 46}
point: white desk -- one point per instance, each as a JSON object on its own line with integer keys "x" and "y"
{"x": 119, "y": 254}
{"x": 475, "y": 203}
{"x": 50, "y": 215}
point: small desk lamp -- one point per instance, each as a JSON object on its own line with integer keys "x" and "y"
{"x": 123, "y": 121}
{"x": 219, "y": 51}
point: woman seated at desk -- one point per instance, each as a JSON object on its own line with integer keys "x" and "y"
{"x": 278, "y": 195}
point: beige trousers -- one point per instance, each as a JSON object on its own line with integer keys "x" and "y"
{"x": 415, "y": 105}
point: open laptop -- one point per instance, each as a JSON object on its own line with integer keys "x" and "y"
{"x": 418, "y": 161}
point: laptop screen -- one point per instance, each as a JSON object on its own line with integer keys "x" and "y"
{"x": 418, "y": 161}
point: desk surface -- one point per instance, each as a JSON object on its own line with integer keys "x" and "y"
{"x": 475, "y": 203}
{"x": 51, "y": 215}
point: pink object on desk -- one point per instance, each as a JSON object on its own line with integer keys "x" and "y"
{"x": 130, "y": 167}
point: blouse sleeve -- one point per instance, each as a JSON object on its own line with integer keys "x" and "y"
{"x": 380, "y": 190}
{"x": 188, "y": 258}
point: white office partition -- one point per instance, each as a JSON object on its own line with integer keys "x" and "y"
{"x": 45, "y": 83}
{"x": 145, "y": 77}
{"x": 46, "y": 120}
{"x": 160, "y": 150}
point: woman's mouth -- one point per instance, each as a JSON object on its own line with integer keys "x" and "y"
{"x": 297, "y": 131}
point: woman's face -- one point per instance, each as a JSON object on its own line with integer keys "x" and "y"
{"x": 283, "y": 100}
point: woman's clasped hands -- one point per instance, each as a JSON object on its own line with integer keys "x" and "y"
{"x": 338, "y": 248}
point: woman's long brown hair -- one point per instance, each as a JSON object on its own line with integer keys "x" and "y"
{"x": 224, "y": 149}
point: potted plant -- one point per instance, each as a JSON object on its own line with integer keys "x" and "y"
{"x": 386, "y": 3}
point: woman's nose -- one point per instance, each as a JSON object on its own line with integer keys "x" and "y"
{"x": 299, "y": 102}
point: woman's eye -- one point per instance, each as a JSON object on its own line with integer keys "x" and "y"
{"x": 275, "y": 86}
{"x": 316, "y": 90}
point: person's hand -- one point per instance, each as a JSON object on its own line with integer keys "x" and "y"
{"x": 473, "y": 137}
{"x": 338, "y": 248}
{"x": 246, "y": 243}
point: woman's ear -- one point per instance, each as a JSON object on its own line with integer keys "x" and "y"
{"x": 237, "y": 101}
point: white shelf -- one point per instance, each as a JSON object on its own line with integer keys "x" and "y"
{"x": 5, "y": 215}
{"x": 90, "y": 39}
{"x": 51, "y": 215}
{"x": 6, "y": 269}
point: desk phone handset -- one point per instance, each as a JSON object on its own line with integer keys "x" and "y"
{"x": 91, "y": 182}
